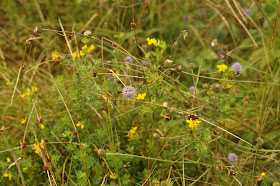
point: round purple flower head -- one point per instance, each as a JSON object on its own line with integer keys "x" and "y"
{"x": 192, "y": 88}
{"x": 236, "y": 67}
{"x": 232, "y": 157}
{"x": 144, "y": 63}
{"x": 186, "y": 18}
{"x": 111, "y": 78}
{"x": 247, "y": 11}
{"x": 128, "y": 59}
{"x": 128, "y": 92}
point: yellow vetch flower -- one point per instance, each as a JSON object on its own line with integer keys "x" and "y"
{"x": 113, "y": 176}
{"x": 151, "y": 41}
{"x": 56, "y": 57}
{"x": 114, "y": 74}
{"x": 36, "y": 148}
{"x": 34, "y": 89}
{"x": 28, "y": 93}
{"x": 9, "y": 83}
{"x": 22, "y": 96}
{"x": 8, "y": 160}
{"x": 42, "y": 144}
{"x": 229, "y": 85}
{"x": 193, "y": 123}
{"x": 78, "y": 124}
{"x": 74, "y": 55}
{"x": 132, "y": 132}
{"x": 84, "y": 47}
{"x": 141, "y": 96}
{"x": 8, "y": 175}
{"x": 261, "y": 176}
{"x": 23, "y": 121}
{"x": 25, "y": 168}
{"x": 82, "y": 126}
{"x": 81, "y": 53}
{"x": 222, "y": 67}
{"x": 92, "y": 47}
{"x": 42, "y": 126}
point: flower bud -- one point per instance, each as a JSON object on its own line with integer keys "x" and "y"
{"x": 101, "y": 153}
{"x": 156, "y": 136}
{"x": 172, "y": 110}
{"x": 178, "y": 68}
{"x": 38, "y": 29}
{"x": 259, "y": 141}
{"x": 165, "y": 104}
{"x": 202, "y": 71}
{"x": 168, "y": 63}
{"x": 216, "y": 87}
{"x": 205, "y": 86}
{"x": 191, "y": 65}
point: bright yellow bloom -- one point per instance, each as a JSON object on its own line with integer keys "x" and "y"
{"x": 36, "y": 148}
{"x": 8, "y": 175}
{"x": 42, "y": 144}
{"x": 25, "y": 168}
{"x": 132, "y": 132}
{"x": 82, "y": 126}
{"x": 113, "y": 176}
{"x": 79, "y": 124}
{"x": 28, "y": 93}
{"x": 151, "y": 41}
{"x": 222, "y": 67}
{"x": 9, "y": 83}
{"x": 92, "y": 47}
{"x": 193, "y": 123}
{"x": 81, "y": 53}
{"x": 34, "y": 89}
{"x": 84, "y": 47}
{"x": 74, "y": 55}
{"x": 261, "y": 176}
{"x": 8, "y": 160}
{"x": 42, "y": 126}
{"x": 23, "y": 121}
{"x": 56, "y": 57}
{"x": 141, "y": 96}
{"x": 229, "y": 85}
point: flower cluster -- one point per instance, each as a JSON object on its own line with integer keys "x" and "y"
{"x": 85, "y": 49}
{"x": 132, "y": 133}
{"x": 128, "y": 92}
{"x": 56, "y": 56}
{"x": 151, "y": 41}
{"x": 261, "y": 176}
{"x": 236, "y": 67}
{"x": 232, "y": 157}
{"x": 128, "y": 59}
{"x": 141, "y": 96}
{"x": 222, "y": 67}
{"x": 29, "y": 93}
{"x": 79, "y": 124}
{"x": 37, "y": 148}
{"x": 8, "y": 176}
{"x": 193, "y": 124}
{"x": 192, "y": 88}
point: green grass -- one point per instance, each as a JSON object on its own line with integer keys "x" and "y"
{"x": 107, "y": 149}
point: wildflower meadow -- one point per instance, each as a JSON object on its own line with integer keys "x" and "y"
{"x": 140, "y": 92}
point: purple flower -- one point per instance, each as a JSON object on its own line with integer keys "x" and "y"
{"x": 128, "y": 59}
{"x": 202, "y": 11}
{"x": 232, "y": 157}
{"x": 186, "y": 18}
{"x": 192, "y": 88}
{"x": 247, "y": 11}
{"x": 236, "y": 67}
{"x": 111, "y": 78}
{"x": 128, "y": 92}
{"x": 144, "y": 63}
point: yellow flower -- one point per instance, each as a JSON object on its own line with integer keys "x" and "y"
{"x": 8, "y": 175}
{"x": 9, "y": 83}
{"x": 84, "y": 47}
{"x": 114, "y": 74}
{"x": 22, "y": 96}
{"x": 222, "y": 67}
{"x": 8, "y": 160}
{"x": 42, "y": 144}
{"x": 23, "y": 121}
{"x": 151, "y": 41}
{"x": 34, "y": 89}
{"x": 132, "y": 132}
{"x": 28, "y": 93}
{"x": 74, "y": 55}
{"x": 141, "y": 96}
{"x": 82, "y": 126}
{"x": 56, "y": 57}
{"x": 42, "y": 126}
{"x": 229, "y": 85}
{"x": 261, "y": 176}
{"x": 81, "y": 53}
{"x": 25, "y": 168}
{"x": 36, "y": 148}
{"x": 113, "y": 176}
{"x": 92, "y": 47}
{"x": 78, "y": 124}
{"x": 193, "y": 124}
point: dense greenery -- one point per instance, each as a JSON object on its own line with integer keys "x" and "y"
{"x": 115, "y": 92}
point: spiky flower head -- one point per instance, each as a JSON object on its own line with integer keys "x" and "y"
{"x": 128, "y": 92}
{"x": 232, "y": 157}
{"x": 128, "y": 59}
{"x": 144, "y": 63}
{"x": 192, "y": 88}
{"x": 236, "y": 67}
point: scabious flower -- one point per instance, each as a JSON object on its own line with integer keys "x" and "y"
{"x": 144, "y": 63}
{"x": 128, "y": 59}
{"x": 192, "y": 88}
{"x": 193, "y": 123}
{"x": 128, "y": 92}
{"x": 247, "y": 11}
{"x": 111, "y": 78}
{"x": 151, "y": 41}
{"x": 186, "y": 18}
{"x": 236, "y": 67}
{"x": 232, "y": 157}
{"x": 141, "y": 96}
{"x": 222, "y": 67}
